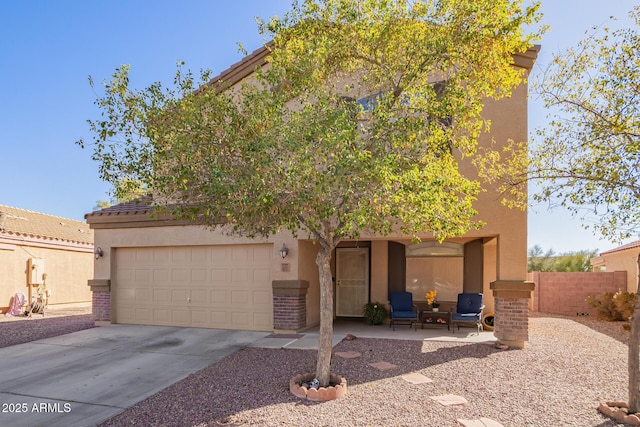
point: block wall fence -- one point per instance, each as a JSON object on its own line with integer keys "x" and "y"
{"x": 565, "y": 293}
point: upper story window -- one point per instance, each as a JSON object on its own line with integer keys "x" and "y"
{"x": 368, "y": 103}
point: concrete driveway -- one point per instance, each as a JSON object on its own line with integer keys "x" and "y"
{"x": 86, "y": 377}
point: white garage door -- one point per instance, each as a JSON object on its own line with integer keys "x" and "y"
{"x": 227, "y": 286}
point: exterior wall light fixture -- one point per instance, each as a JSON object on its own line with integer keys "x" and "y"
{"x": 98, "y": 252}
{"x": 284, "y": 251}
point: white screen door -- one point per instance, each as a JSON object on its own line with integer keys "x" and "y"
{"x": 352, "y": 281}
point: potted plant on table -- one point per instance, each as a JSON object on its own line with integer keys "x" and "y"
{"x": 432, "y": 300}
{"x": 374, "y": 313}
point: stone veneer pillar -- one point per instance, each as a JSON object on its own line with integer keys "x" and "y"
{"x": 100, "y": 299}
{"x": 289, "y": 305}
{"x": 511, "y": 321}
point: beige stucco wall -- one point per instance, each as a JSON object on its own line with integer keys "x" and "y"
{"x": 308, "y": 270}
{"x": 508, "y": 121}
{"x": 505, "y": 230}
{"x": 379, "y": 271}
{"x": 67, "y": 273}
{"x": 626, "y": 260}
{"x": 489, "y": 272}
{"x": 286, "y": 269}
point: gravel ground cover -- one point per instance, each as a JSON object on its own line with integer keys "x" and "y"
{"x": 558, "y": 380}
{"x": 19, "y": 330}
{"x": 57, "y": 321}
{"x": 569, "y": 365}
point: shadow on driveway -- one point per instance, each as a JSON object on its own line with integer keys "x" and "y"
{"x": 86, "y": 377}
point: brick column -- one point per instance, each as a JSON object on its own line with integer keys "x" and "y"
{"x": 512, "y": 311}
{"x": 100, "y": 299}
{"x": 289, "y": 305}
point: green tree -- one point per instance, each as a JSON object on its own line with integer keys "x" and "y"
{"x": 295, "y": 149}
{"x": 549, "y": 261}
{"x": 589, "y": 155}
{"x": 539, "y": 260}
{"x": 101, "y": 204}
{"x": 574, "y": 261}
{"x": 587, "y": 159}
{"x": 124, "y": 190}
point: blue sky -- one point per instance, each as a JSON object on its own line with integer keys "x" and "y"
{"x": 49, "y": 48}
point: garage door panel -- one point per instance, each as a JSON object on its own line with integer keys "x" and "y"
{"x": 262, "y": 276}
{"x": 181, "y": 317}
{"x": 200, "y": 318}
{"x": 262, "y": 256}
{"x": 219, "y": 275}
{"x": 126, "y": 294}
{"x": 143, "y": 314}
{"x": 241, "y": 254}
{"x": 198, "y": 275}
{"x": 239, "y": 275}
{"x": 261, "y": 298}
{"x": 141, "y": 276}
{"x": 261, "y": 318}
{"x": 126, "y": 315}
{"x": 219, "y": 318}
{"x": 179, "y": 275}
{"x": 142, "y": 295}
{"x": 162, "y": 296}
{"x": 239, "y": 297}
{"x": 218, "y": 297}
{"x": 180, "y": 256}
{"x": 127, "y": 275}
{"x": 144, "y": 256}
{"x": 180, "y": 296}
{"x": 240, "y": 320}
{"x": 218, "y": 255}
{"x": 206, "y": 286}
{"x": 162, "y": 275}
{"x": 199, "y": 295}
{"x": 161, "y": 315}
{"x": 199, "y": 255}
{"x": 162, "y": 255}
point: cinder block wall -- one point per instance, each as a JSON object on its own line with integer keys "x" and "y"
{"x": 565, "y": 293}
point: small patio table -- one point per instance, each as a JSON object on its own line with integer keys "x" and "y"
{"x": 436, "y": 318}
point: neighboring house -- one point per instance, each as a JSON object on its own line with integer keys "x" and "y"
{"x": 623, "y": 258}
{"x": 164, "y": 272}
{"x": 33, "y": 245}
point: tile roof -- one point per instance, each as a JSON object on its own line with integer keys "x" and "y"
{"x": 623, "y": 247}
{"x": 22, "y": 222}
{"x": 241, "y": 69}
{"x": 136, "y": 206}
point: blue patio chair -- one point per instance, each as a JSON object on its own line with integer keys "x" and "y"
{"x": 402, "y": 309}
{"x": 468, "y": 311}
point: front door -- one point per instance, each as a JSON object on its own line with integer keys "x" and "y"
{"x": 352, "y": 281}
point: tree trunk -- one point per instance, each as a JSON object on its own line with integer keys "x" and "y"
{"x": 325, "y": 347}
{"x": 634, "y": 350}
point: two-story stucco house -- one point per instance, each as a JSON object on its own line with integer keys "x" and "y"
{"x": 164, "y": 272}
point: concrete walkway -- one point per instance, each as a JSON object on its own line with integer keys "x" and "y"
{"x": 86, "y": 377}
{"x": 308, "y": 340}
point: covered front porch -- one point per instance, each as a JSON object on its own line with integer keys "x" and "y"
{"x": 368, "y": 270}
{"x": 342, "y": 327}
